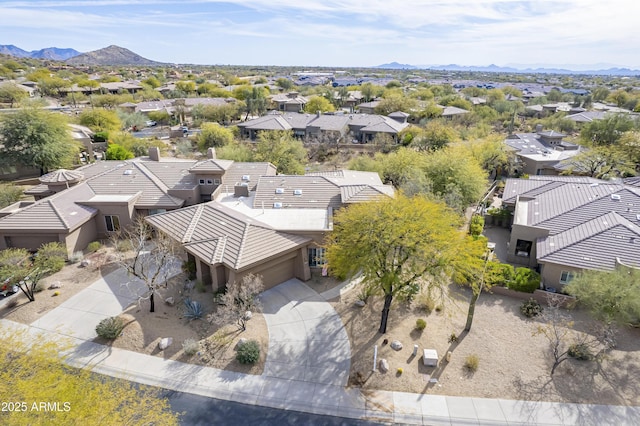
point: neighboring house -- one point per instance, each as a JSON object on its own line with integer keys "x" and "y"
{"x": 368, "y": 107}
{"x": 587, "y": 116}
{"x": 289, "y": 102}
{"x": 563, "y": 225}
{"x": 259, "y": 222}
{"x": 541, "y": 153}
{"x": 451, "y": 111}
{"x": 330, "y": 127}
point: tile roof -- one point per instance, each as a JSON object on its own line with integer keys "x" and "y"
{"x": 211, "y": 165}
{"x": 314, "y": 192}
{"x": 595, "y": 244}
{"x": 219, "y": 234}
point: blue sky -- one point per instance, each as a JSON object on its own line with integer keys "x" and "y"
{"x": 336, "y": 32}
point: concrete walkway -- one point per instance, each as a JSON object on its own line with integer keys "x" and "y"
{"x": 307, "y": 348}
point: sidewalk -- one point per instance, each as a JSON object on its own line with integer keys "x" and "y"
{"x": 306, "y": 368}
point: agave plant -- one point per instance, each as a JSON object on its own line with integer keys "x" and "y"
{"x": 193, "y": 309}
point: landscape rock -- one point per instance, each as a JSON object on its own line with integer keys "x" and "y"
{"x": 169, "y": 301}
{"x": 55, "y": 284}
{"x": 85, "y": 262}
{"x": 165, "y": 343}
{"x": 247, "y": 315}
{"x": 396, "y": 345}
{"x": 384, "y": 365}
{"x": 360, "y": 303}
{"x": 241, "y": 342}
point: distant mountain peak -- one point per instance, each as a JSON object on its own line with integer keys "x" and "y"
{"x": 111, "y": 55}
{"x": 396, "y": 66}
{"x": 52, "y": 53}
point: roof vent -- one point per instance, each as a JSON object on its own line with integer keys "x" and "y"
{"x": 128, "y": 172}
{"x": 638, "y": 217}
{"x": 279, "y": 190}
{"x": 277, "y": 205}
{"x": 297, "y": 192}
{"x": 246, "y": 178}
{"x": 615, "y": 197}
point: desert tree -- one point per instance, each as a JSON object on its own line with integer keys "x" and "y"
{"x": 395, "y": 244}
{"x": 9, "y": 194}
{"x": 240, "y": 297}
{"x": 33, "y": 370}
{"x": 565, "y": 342}
{"x": 154, "y": 258}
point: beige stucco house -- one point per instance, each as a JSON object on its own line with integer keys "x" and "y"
{"x": 230, "y": 218}
{"x": 562, "y": 225}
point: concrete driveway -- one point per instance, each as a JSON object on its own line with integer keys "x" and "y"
{"x": 307, "y": 340}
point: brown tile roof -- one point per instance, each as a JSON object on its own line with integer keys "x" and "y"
{"x": 218, "y": 234}
{"x": 211, "y": 165}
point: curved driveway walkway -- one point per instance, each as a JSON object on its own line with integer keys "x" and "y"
{"x": 307, "y": 340}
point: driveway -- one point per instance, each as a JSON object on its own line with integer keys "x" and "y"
{"x": 307, "y": 340}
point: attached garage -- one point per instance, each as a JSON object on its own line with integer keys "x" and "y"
{"x": 277, "y": 273}
{"x": 29, "y": 242}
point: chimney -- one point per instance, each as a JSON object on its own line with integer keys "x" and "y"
{"x": 538, "y": 128}
{"x": 154, "y": 153}
{"x": 211, "y": 153}
{"x": 318, "y": 114}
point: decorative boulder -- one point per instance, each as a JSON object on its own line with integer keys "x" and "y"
{"x": 384, "y": 365}
{"x": 241, "y": 342}
{"x": 247, "y": 316}
{"x": 85, "y": 262}
{"x": 360, "y": 303}
{"x": 54, "y": 285}
{"x": 169, "y": 301}
{"x": 165, "y": 343}
{"x": 396, "y": 345}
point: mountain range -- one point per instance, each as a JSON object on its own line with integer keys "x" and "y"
{"x": 53, "y": 53}
{"x": 111, "y": 55}
{"x": 616, "y": 71}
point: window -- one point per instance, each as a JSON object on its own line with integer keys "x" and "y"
{"x": 112, "y": 222}
{"x": 209, "y": 181}
{"x": 523, "y": 248}
{"x": 316, "y": 257}
{"x": 566, "y": 277}
{"x": 201, "y": 181}
{"x": 216, "y": 182}
{"x": 156, "y": 211}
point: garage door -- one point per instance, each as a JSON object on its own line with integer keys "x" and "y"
{"x": 31, "y": 242}
{"x": 276, "y": 274}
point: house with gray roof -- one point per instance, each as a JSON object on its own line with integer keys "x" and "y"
{"x": 230, "y": 218}
{"x": 541, "y": 153}
{"x": 563, "y": 225}
{"x": 289, "y": 102}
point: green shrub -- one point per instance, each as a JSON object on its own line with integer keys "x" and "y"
{"x": 453, "y": 338}
{"x": 471, "y": 363}
{"x": 200, "y": 286}
{"x": 51, "y": 257}
{"x": 425, "y": 301}
{"x": 190, "y": 347}
{"x": 110, "y": 328}
{"x": 124, "y": 245}
{"x": 526, "y": 280}
{"x": 499, "y": 274}
{"x": 421, "y": 324}
{"x": 530, "y": 308}
{"x": 580, "y": 351}
{"x": 249, "y": 352}
{"x": 189, "y": 268}
{"x": 94, "y": 246}
{"x": 76, "y": 257}
{"x": 476, "y": 226}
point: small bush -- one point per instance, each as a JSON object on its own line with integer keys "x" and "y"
{"x": 425, "y": 301}
{"x": 201, "y": 287}
{"x": 530, "y": 308}
{"x": 94, "y": 246}
{"x": 476, "y": 226}
{"x": 193, "y": 309}
{"x": 40, "y": 287}
{"x": 51, "y": 257}
{"x": 124, "y": 245}
{"x": 400, "y": 371}
{"x": 421, "y": 324}
{"x": 190, "y": 347}
{"x": 453, "y": 338}
{"x": 248, "y": 353}
{"x": 580, "y": 351}
{"x": 189, "y": 268}
{"x": 55, "y": 293}
{"x": 471, "y": 363}
{"x": 76, "y": 257}
{"x": 439, "y": 308}
{"x": 110, "y": 328}
{"x": 526, "y": 280}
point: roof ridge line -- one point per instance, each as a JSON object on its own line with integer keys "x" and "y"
{"x": 55, "y": 210}
{"x": 149, "y": 174}
{"x": 186, "y": 238}
{"x": 241, "y": 248}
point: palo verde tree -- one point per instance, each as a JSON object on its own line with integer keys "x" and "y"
{"x": 280, "y": 148}
{"x": 394, "y": 243}
{"x": 153, "y": 261}
{"x": 33, "y": 372}
{"x": 37, "y": 138}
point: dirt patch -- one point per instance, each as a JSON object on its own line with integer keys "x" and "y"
{"x": 216, "y": 342}
{"x": 513, "y": 362}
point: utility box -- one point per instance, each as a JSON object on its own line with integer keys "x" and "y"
{"x": 430, "y": 357}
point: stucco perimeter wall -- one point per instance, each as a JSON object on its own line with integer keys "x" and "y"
{"x": 540, "y": 296}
